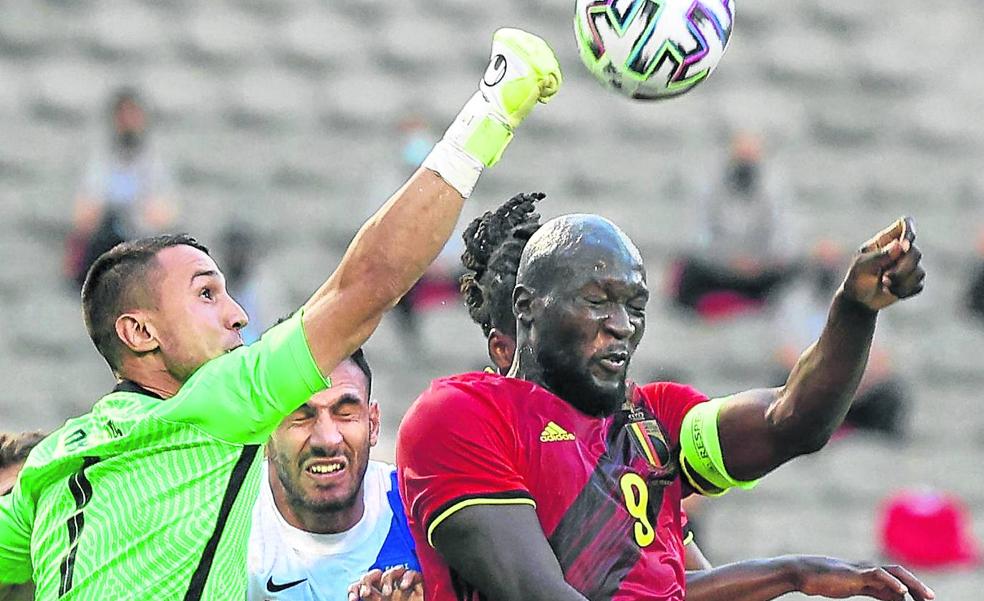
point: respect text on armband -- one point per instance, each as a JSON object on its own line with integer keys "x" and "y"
{"x": 698, "y": 437}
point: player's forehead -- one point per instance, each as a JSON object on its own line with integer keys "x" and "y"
{"x": 594, "y": 251}
{"x": 604, "y": 264}
{"x": 181, "y": 264}
{"x": 347, "y": 382}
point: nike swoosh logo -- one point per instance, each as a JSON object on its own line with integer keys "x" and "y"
{"x": 276, "y": 588}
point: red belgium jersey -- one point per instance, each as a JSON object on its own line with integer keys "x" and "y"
{"x": 606, "y": 490}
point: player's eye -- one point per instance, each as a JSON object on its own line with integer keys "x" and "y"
{"x": 206, "y": 293}
{"x": 347, "y": 411}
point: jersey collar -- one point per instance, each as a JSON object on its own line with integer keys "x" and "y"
{"x": 131, "y": 386}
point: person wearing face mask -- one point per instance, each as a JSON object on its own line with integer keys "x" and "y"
{"x": 741, "y": 258}
{"x": 126, "y": 190}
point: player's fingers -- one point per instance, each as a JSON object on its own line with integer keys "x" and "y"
{"x": 372, "y": 578}
{"x": 368, "y": 593}
{"x": 391, "y": 579}
{"x": 353, "y": 590}
{"x": 411, "y": 594}
{"x": 881, "y": 582}
{"x": 882, "y": 238}
{"x": 878, "y": 260}
{"x": 905, "y": 274}
{"x": 363, "y": 587}
{"x": 918, "y": 590}
{"x": 882, "y": 593}
{"x": 909, "y": 285}
{"x": 411, "y": 579}
{"x": 906, "y": 262}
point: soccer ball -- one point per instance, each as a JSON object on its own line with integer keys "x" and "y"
{"x": 652, "y": 49}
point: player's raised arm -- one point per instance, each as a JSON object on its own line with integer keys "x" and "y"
{"x": 732, "y": 441}
{"x": 394, "y": 247}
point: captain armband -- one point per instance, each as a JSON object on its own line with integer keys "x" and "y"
{"x": 700, "y": 452}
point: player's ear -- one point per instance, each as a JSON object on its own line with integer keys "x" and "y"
{"x": 373, "y": 423}
{"x": 136, "y": 332}
{"x": 523, "y": 304}
{"x": 502, "y": 350}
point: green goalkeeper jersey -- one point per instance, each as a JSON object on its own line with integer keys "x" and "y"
{"x": 145, "y": 498}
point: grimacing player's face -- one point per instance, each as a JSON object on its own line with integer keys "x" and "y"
{"x": 195, "y": 319}
{"x": 591, "y": 323}
{"x": 321, "y": 451}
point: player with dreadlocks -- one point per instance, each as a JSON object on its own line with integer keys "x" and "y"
{"x": 494, "y": 244}
{"x": 494, "y": 247}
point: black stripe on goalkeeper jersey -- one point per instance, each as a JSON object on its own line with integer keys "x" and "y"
{"x": 596, "y": 532}
{"x": 197, "y": 585}
{"x": 81, "y": 490}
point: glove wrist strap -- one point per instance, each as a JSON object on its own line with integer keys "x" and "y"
{"x": 456, "y": 167}
{"x": 476, "y": 139}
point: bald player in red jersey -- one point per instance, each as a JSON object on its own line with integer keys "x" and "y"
{"x": 591, "y": 480}
{"x": 550, "y": 485}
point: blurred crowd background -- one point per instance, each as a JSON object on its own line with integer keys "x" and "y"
{"x": 270, "y": 129}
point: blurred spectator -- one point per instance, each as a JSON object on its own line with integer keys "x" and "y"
{"x": 126, "y": 192}
{"x": 928, "y": 529}
{"x": 742, "y": 256}
{"x": 975, "y": 294}
{"x": 881, "y": 402}
{"x": 437, "y": 287}
{"x": 240, "y": 251}
{"x": 257, "y": 284}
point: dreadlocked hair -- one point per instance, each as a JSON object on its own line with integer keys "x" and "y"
{"x": 494, "y": 244}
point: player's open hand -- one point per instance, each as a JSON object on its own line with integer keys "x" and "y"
{"x": 838, "y": 579}
{"x": 395, "y": 584}
{"x": 886, "y": 268}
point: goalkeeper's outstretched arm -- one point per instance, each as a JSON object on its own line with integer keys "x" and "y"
{"x": 394, "y": 247}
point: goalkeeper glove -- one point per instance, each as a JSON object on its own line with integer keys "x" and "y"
{"x": 522, "y": 71}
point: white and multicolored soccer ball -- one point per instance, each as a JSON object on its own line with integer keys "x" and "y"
{"x": 652, "y": 49}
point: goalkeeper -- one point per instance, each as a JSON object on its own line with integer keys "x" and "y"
{"x": 149, "y": 496}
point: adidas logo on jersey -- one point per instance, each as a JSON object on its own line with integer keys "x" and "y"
{"x": 554, "y": 433}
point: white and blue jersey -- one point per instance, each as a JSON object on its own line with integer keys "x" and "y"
{"x": 292, "y": 564}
